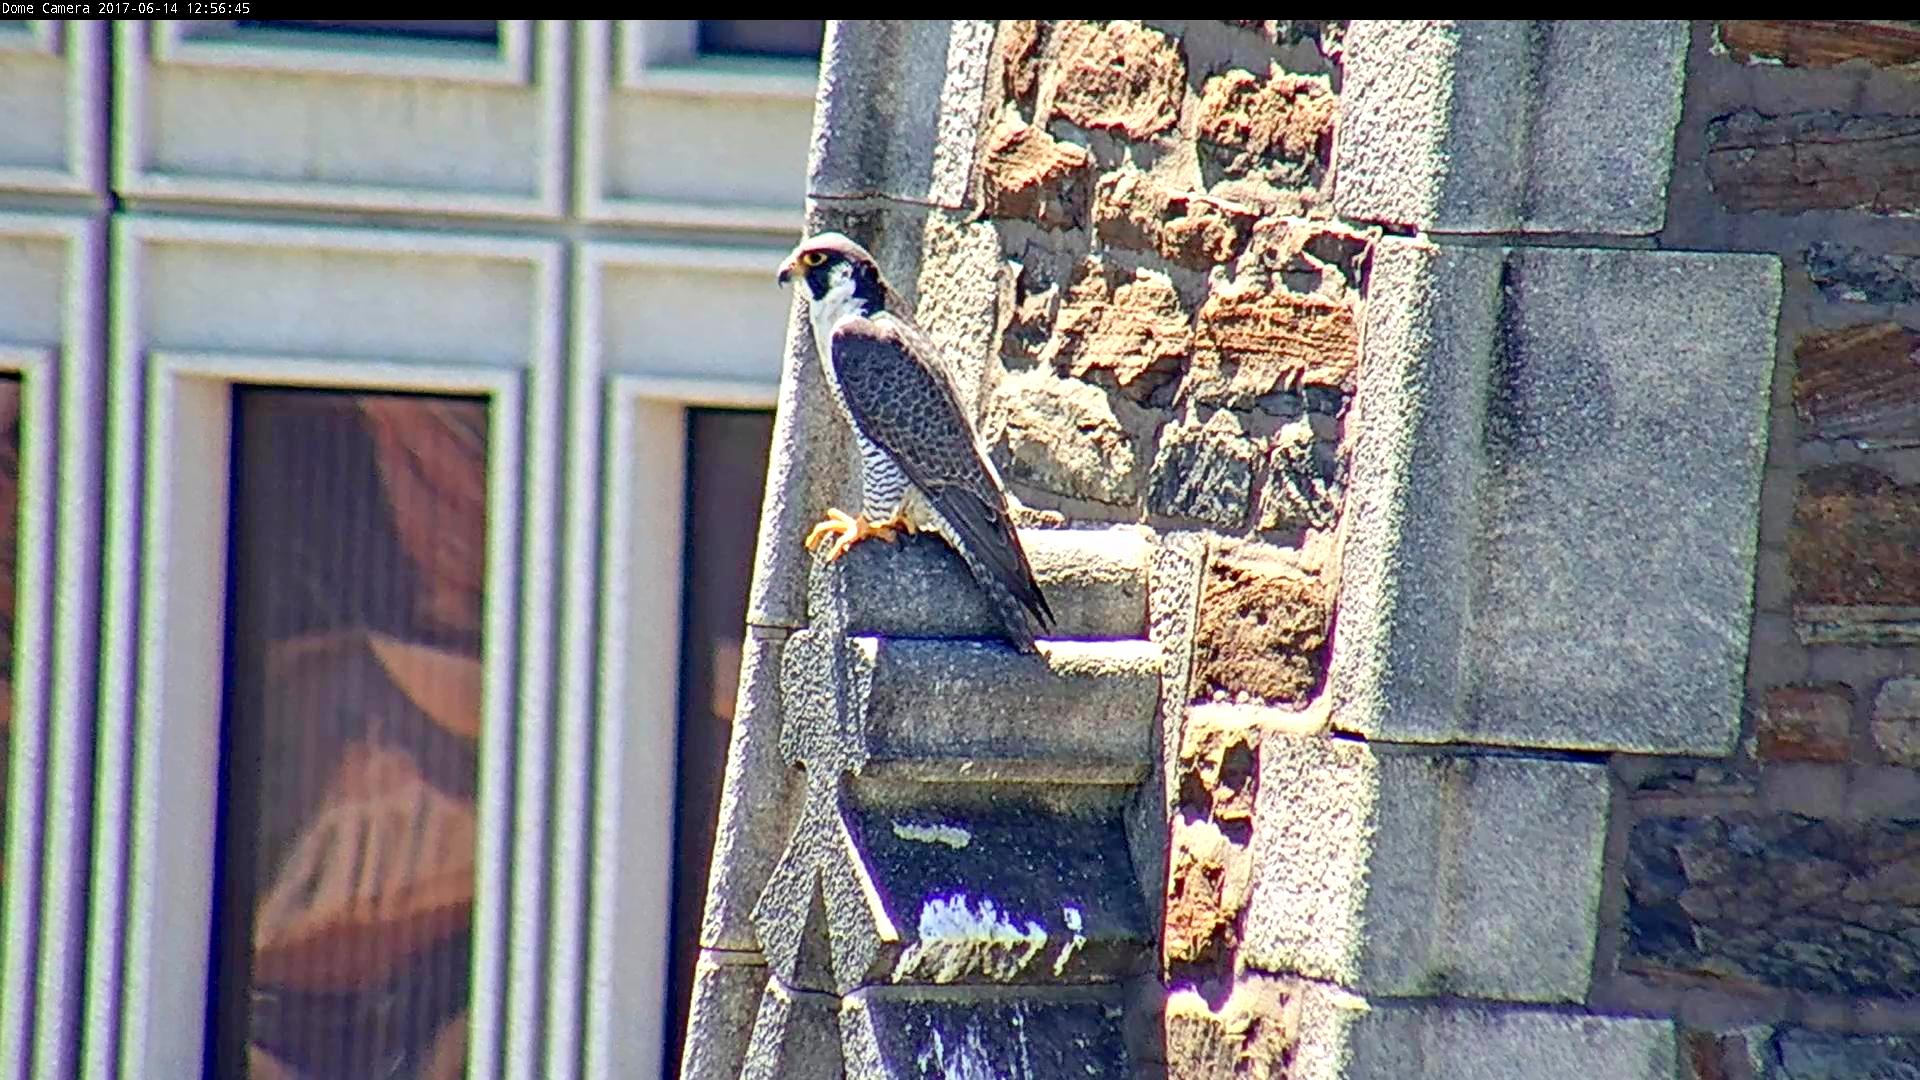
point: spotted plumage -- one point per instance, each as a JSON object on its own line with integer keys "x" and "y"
{"x": 911, "y": 431}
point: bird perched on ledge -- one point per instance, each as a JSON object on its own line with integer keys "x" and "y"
{"x": 911, "y": 430}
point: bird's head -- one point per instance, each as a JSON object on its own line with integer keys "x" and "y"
{"x": 830, "y": 263}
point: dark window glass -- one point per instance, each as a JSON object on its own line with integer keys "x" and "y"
{"x": 763, "y": 37}
{"x": 483, "y": 30}
{"x": 9, "y": 552}
{"x": 350, "y": 749}
{"x": 726, "y": 472}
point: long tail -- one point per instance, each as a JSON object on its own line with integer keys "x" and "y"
{"x": 986, "y": 540}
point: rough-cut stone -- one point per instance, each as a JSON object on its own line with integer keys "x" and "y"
{"x": 1477, "y": 126}
{"x": 1896, "y": 721}
{"x": 1070, "y": 438}
{"x": 1855, "y": 539}
{"x": 1859, "y": 382}
{"x": 1418, "y": 874}
{"x": 895, "y": 1034}
{"x": 1210, "y": 871}
{"x": 1848, "y": 273}
{"x": 1095, "y": 580}
{"x": 1305, "y": 257}
{"x": 1219, "y": 767}
{"x": 1250, "y": 342}
{"x": 1120, "y": 77}
{"x": 1250, "y": 1037}
{"x": 1799, "y": 1054}
{"x": 1142, "y": 212}
{"x": 1304, "y": 482}
{"x": 1028, "y": 174}
{"x": 1263, "y": 628}
{"x": 1805, "y": 723}
{"x": 1776, "y": 899}
{"x": 1203, "y": 471}
{"x": 1276, "y": 130}
{"x": 1815, "y": 161}
{"x": 1532, "y": 476}
{"x": 1209, "y": 877}
{"x": 1019, "y": 47}
{"x": 1401, "y": 1040}
{"x": 1132, "y": 335}
{"x": 1856, "y": 624}
{"x": 1821, "y": 42}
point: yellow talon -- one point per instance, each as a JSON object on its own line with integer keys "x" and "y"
{"x": 850, "y": 530}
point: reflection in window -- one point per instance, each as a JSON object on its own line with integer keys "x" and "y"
{"x": 726, "y": 472}
{"x": 9, "y": 553}
{"x": 800, "y": 38}
{"x": 347, "y": 815}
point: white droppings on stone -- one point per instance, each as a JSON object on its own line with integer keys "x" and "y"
{"x": 957, "y": 939}
{"x": 1071, "y": 916}
{"x": 951, "y": 835}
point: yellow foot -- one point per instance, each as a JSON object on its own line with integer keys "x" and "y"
{"x": 848, "y": 531}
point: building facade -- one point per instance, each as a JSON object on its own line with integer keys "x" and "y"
{"x": 364, "y": 383}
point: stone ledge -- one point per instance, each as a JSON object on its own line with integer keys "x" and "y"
{"x": 1519, "y": 438}
{"x": 1040, "y": 1036}
{"x": 971, "y": 701}
{"x": 1478, "y": 126}
{"x": 1094, "y": 579}
{"x": 1412, "y": 873}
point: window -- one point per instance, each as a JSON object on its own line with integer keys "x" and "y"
{"x": 9, "y": 553}
{"x": 797, "y": 38}
{"x": 350, "y": 751}
{"x": 726, "y": 474}
{"x": 480, "y": 30}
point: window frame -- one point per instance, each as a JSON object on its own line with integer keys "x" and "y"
{"x": 165, "y": 606}
{"x": 615, "y": 786}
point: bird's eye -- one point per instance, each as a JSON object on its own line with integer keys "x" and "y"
{"x": 814, "y": 258}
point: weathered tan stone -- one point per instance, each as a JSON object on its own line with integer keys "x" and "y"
{"x": 1133, "y": 336}
{"x": 1281, "y": 116}
{"x": 1805, "y": 723}
{"x": 1896, "y": 721}
{"x": 1209, "y": 878}
{"x": 1262, "y": 627}
{"x": 1859, "y": 382}
{"x": 1120, "y": 76}
{"x": 1140, "y": 212}
{"x": 1064, "y": 436}
{"x": 1815, "y": 161}
{"x": 1855, "y": 539}
{"x": 1027, "y": 173}
{"x": 1019, "y": 46}
{"x": 1822, "y": 42}
{"x": 1251, "y": 342}
{"x": 1251, "y": 1037}
{"x": 1219, "y": 766}
{"x": 1307, "y": 256}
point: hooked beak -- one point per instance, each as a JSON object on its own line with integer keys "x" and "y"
{"x": 787, "y": 268}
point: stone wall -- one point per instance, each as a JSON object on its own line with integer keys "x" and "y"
{"x": 1770, "y": 898}
{"x": 1495, "y": 444}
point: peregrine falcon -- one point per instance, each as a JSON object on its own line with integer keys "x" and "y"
{"x": 911, "y": 430}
